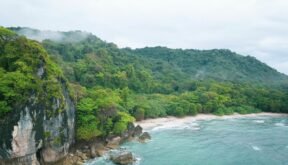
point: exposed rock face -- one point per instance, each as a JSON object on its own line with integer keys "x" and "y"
{"x": 123, "y": 158}
{"x": 61, "y": 130}
{"x": 23, "y": 136}
{"x": 30, "y": 135}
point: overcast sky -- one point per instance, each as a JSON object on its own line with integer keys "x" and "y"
{"x": 250, "y": 27}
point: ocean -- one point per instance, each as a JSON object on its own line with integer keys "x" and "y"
{"x": 242, "y": 141}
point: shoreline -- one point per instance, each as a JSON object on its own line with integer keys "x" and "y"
{"x": 171, "y": 121}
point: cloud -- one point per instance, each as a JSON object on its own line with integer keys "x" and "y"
{"x": 254, "y": 27}
{"x": 76, "y": 36}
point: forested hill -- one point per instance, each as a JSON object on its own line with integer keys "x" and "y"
{"x": 164, "y": 64}
{"x": 216, "y": 64}
{"x": 111, "y": 86}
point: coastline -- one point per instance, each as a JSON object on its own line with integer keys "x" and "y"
{"x": 171, "y": 121}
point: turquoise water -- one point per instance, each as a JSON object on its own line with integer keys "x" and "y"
{"x": 244, "y": 141}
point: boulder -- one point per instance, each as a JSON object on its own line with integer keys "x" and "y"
{"x": 70, "y": 159}
{"x": 144, "y": 136}
{"x": 130, "y": 127}
{"x": 81, "y": 155}
{"x": 129, "y": 133}
{"x": 50, "y": 155}
{"x": 123, "y": 158}
{"x": 137, "y": 131}
{"x": 93, "y": 152}
{"x": 114, "y": 142}
{"x": 102, "y": 151}
{"x": 96, "y": 149}
{"x": 125, "y": 136}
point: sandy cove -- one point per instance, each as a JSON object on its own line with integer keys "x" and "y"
{"x": 174, "y": 121}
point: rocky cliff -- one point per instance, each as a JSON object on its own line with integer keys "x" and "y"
{"x": 36, "y": 112}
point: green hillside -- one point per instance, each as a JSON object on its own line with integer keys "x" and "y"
{"x": 217, "y": 64}
{"x": 108, "y": 83}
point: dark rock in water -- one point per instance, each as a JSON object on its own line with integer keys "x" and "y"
{"x": 130, "y": 131}
{"x": 144, "y": 136}
{"x": 130, "y": 127}
{"x": 123, "y": 158}
{"x": 137, "y": 131}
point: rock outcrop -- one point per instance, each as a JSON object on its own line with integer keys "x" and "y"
{"x": 30, "y": 135}
{"x": 123, "y": 158}
{"x": 144, "y": 137}
{"x": 113, "y": 142}
{"x": 39, "y": 126}
{"x": 137, "y": 131}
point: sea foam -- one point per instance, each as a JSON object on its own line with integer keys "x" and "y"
{"x": 177, "y": 126}
{"x": 259, "y": 121}
{"x": 280, "y": 124}
{"x": 256, "y": 148}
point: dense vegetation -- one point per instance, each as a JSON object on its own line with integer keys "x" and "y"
{"x": 98, "y": 114}
{"x": 109, "y": 85}
{"x": 220, "y": 65}
{"x": 26, "y": 71}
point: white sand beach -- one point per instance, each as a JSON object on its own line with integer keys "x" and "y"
{"x": 174, "y": 121}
